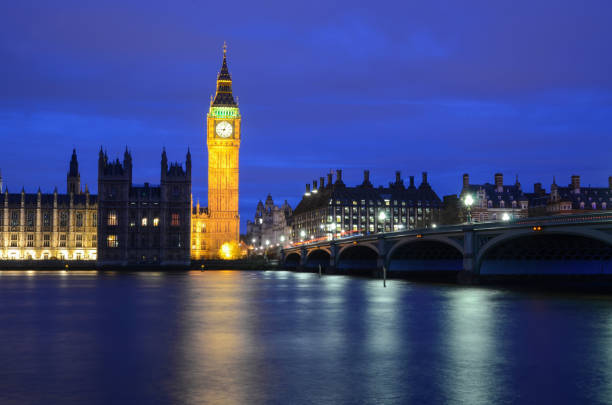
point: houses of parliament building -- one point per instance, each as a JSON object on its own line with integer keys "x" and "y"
{"x": 130, "y": 223}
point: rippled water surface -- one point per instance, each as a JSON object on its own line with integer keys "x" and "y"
{"x": 232, "y": 337}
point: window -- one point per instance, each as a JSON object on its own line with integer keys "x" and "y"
{"x": 112, "y": 219}
{"x": 14, "y": 240}
{"x": 62, "y": 240}
{"x": 46, "y": 240}
{"x": 30, "y": 219}
{"x": 63, "y": 218}
{"x": 30, "y": 240}
{"x": 175, "y": 219}
{"x": 79, "y": 240}
{"x": 94, "y": 240}
{"x": 14, "y": 218}
{"x": 94, "y": 219}
{"x": 155, "y": 221}
{"x": 79, "y": 219}
{"x": 112, "y": 241}
{"x": 143, "y": 222}
{"x": 46, "y": 219}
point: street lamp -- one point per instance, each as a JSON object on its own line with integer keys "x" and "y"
{"x": 302, "y": 234}
{"x": 505, "y": 217}
{"x": 468, "y": 201}
{"x": 381, "y": 218}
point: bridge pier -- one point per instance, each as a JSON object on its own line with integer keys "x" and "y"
{"x": 469, "y": 274}
{"x": 333, "y": 257}
{"x": 382, "y": 257}
{"x": 303, "y": 258}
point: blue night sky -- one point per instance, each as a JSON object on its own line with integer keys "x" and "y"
{"x": 444, "y": 87}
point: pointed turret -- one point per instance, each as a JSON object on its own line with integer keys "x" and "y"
{"x": 224, "y": 96}
{"x": 73, "y": 180}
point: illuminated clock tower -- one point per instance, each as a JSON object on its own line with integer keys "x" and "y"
{"x": 223, "y": 141}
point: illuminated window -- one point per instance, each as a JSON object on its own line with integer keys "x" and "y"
{"x": 46, "y": 240}
{"x": 112, "y": 218}
{"x": 62, "y": 240}
{"x": 94, "y": 240}
{"x": 79, "y": 240}
{"x": 144, "y": 221}
{"x": 175, "y": 220}
{"x": 112, "y": 241}
{"x": 79, "y": 219}
{"x": 14, "y": 240}
{"x": 30, "y": 240}
{"x": 94, "y": 219}
{"x": 155, "y": 221}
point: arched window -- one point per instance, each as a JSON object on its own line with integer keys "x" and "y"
{"x": 502, "y": 204}
{"x": 490, "y": 204}
{"x": 594, "y": 205}
{"x": 582, "y": 205}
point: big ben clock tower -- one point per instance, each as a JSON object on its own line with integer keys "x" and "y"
{"x": 223, "y": 141}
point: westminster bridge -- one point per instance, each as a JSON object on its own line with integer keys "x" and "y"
{"x": 569, "y": 244}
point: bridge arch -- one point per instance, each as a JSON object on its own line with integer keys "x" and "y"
{"x": 357, "y": 258}
{"x": 318, "y": 257}
{"x": 292, "y": 260}
{"x": 425, "y": 255}
{"x": 550, "y": 251}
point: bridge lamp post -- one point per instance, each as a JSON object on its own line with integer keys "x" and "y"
{"x": 505, "y": 217}
{"x": 302, "y": 235}
{"x": 382, "y": 217}
{"x": 468, "y": 201}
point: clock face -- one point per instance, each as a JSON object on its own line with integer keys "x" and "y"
{"x": 224, "y": 129}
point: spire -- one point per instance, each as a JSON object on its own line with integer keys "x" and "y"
{"x": 224, "y": 96}
{"x": 74, "y": 165}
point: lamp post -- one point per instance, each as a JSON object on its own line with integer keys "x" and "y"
{"x": 302, "y": 235}
{"x": 382, "y": 217}
{"x": 468, "y": 201}
{"x": 505, "y": 217}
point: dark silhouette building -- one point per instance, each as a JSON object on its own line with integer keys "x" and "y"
{"x": 143, "y": 224}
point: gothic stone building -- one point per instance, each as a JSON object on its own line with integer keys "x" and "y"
{"x": 47, "y": 226}
{"x": 335, "y": 209}
{"x": 218, "y": 225}
{"x": 270, "y": 226}
{"x": 143, "y": 224}
{"x": 572, "y": 199}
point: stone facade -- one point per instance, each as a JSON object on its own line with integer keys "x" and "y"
{"x": 143, "y": 224}
{"x": 219, "y": 223}
{"x": 271, "y": 225}
{"x": 493, "y": 201}
{"x": 47, "y": 226}
{"x": 331, "y": 210}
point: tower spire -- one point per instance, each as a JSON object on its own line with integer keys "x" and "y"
{"x": 224, "y": 96}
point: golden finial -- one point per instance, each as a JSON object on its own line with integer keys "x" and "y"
{"x": 224, "y": 48}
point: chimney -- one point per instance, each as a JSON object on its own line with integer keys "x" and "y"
{"x": 499, "y": 182}
{"x": 576, "y": 184}
{"x": 466, "y": 180}
{"x": 424, "y": 178}
{"x": 322, "y": 182}
{"x": 537, "y": 188}
{"x": 307, "y": 189}
{"x": 329, "y": 180}
{"x": 314, "y": 185}
{"x": 610, "y": 182}
{"x": 366, "y": 177}
{"x": 412, "y": 181}
{"x": 339, "y": 176}
{"x": 398, "y": 177}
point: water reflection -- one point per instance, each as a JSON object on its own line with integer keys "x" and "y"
{"x": 281, "y": 337}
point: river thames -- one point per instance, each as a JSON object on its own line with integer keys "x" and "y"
{"x": 238, "y": 337}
